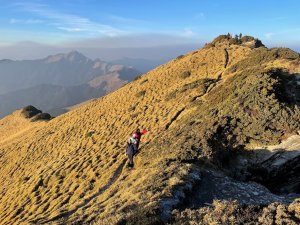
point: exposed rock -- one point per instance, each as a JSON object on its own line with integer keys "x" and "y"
{"x": 34, "y": 113}
{"x": 216, "y": 185}
{"x": 30, "y": 111}
{"x": 41, "y": 116}
{"x": 276, "y": 167}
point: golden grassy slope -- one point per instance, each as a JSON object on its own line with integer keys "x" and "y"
{"x": 72, "y": 168}
{"x": 15, "y": 125}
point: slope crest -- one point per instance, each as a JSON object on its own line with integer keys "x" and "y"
{"x": 71, "y": 170}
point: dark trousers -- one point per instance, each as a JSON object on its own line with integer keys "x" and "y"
{"x": 130, "y": 160}
{"x": 130, "y": 151}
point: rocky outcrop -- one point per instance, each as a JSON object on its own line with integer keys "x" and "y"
{"x": 30, "y": 111}
{"x": 34, "y": 114}
{"x": 276, "y": 167}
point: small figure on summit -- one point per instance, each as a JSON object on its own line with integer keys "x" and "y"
{"x": 133, "y": 145}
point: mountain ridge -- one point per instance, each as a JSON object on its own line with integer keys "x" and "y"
{"x": 71, "y": 169}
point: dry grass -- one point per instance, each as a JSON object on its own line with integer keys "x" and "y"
{"x": 71, "y": 168}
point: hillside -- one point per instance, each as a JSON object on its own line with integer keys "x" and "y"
{"x": 207, "y": 112}
{"x": 16, "y": 124}
{"x": 58, "y": 81}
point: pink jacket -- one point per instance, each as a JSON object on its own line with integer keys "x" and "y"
{"x": 139, "y": 135}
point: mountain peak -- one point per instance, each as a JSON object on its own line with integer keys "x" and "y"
{"x": 71, "y": 56}
{"x": 75, "y": 55}
{"x": 6, "y": 60}
{"x": 228, "y": 39}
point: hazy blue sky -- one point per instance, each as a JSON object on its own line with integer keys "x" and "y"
{"x": 133, "y": 23}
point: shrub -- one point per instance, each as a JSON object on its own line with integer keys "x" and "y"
{"x": 185, "y": 74}
{"x": 30, "y": 111}
{"x": 144, "y": 81}
{"x": 180, "y": 57}
{"x": 247, "y": 38}
{"x": 41, "y": 116}
{"x": 172, "y": 95}
{"x": 221, "y": 38}
{"x": 201, "y": 85}
{"x": 261, "y": 56}
{"x": 209, "y": 45}
{"x": 143, "y": 215}
{"x": 138, "y": 77}
{"x": 140, "y": 94}
{"x": 287, "y": 53}
{"x": 131, "y": 108}
{"x": 89, "y": 134}
{"x": 221, "y": 212}
{"x": 237, "y": 40}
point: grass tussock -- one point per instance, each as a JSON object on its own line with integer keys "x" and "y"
{"x": 76, "y": 163}
{"x": 140, "y": 94}
{"x": 185, "y": 74}
{"x": 200, "y": 86}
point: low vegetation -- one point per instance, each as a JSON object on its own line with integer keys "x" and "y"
{"x": 236, "y": 40}
{"x": 185, "y": 74}
{"x": 41, "y": 116}
{"x": 200, "y": 86}
{"x": 72, "y": 170}
{"x": 30, "y": 111}
{"x": 140, "y": 94}
{"x": 230, "y": 212}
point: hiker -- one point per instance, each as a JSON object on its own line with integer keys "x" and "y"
{"x": 131, "y": 149}
{"x": 133, "y": 145}
{"x": 138, "y": 134}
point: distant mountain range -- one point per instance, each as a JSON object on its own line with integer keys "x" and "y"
{"x": 58, "y": 81}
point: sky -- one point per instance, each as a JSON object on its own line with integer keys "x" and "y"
{"x": 34, "y": 27}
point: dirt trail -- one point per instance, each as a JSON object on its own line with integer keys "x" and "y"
{"x": 226, "y": 57}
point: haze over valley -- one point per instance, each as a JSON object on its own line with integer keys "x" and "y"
{"x": 58, "y": 81}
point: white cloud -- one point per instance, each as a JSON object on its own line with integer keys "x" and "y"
{"x": 26, "y": 21}
{"x": 137, "y": 40}
{"x": 73, "y": 29}
{"x": 68, "y": 22}
{"x": 188, "y": 32}
{"x": 126, "y": 20}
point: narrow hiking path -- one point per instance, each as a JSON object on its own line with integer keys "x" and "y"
{"x": 69, "y": 213}
{"x": 226, "y": 58}
{"x": 218, "y": 81}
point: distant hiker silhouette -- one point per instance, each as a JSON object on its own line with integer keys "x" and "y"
{"x": 133, "y": 145}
